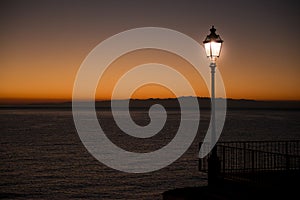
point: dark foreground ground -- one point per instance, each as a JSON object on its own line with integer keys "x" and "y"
{"x": 275, "y": 185}
{"x": 230, "y": 192}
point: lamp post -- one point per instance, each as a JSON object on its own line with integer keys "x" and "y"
{"x": 213, "y": 44}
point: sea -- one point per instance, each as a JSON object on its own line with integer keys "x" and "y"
{"x": 42, "y": 156}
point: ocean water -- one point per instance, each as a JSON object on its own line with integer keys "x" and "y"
{"x": 42, "y": 157}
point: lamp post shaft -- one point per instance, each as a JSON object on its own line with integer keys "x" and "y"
{"x": 213, "y": 161}
{"x": 213, "y": 108}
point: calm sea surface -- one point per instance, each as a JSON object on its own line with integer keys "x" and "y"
{"x": 41, "y": 155}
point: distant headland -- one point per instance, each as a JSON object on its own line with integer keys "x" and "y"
{"x": 169, "y": 103}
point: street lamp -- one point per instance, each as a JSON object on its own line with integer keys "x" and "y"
{"x": 213, "y": 45}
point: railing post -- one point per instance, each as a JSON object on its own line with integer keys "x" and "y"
{"x": 287, "y": 159}
{"x": 244, "y": 147}
{"x": 224, "y": 159}
{"x": 199, "y": 159}
{"x": 252, "y": 159}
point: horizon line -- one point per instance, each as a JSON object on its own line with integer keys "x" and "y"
{"x": 29, "y": 101}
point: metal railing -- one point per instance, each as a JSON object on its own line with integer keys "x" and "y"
{"x": 253, "y": 160}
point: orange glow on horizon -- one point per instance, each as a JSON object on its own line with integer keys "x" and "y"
{"x": 45, "y": 81}
{"x": 135, "y": 58}
{"x": 156, "y": 91}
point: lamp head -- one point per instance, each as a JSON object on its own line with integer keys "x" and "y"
{"x": 213, "y": 44}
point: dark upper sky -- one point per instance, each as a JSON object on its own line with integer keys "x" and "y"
{"x": 44, "y": 42}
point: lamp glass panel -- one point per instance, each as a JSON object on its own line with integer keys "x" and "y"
{"x": 207, "y": 49}
{"x": 215, "y": 49}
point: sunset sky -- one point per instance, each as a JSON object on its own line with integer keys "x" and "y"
{"x": 43, "y": 43}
